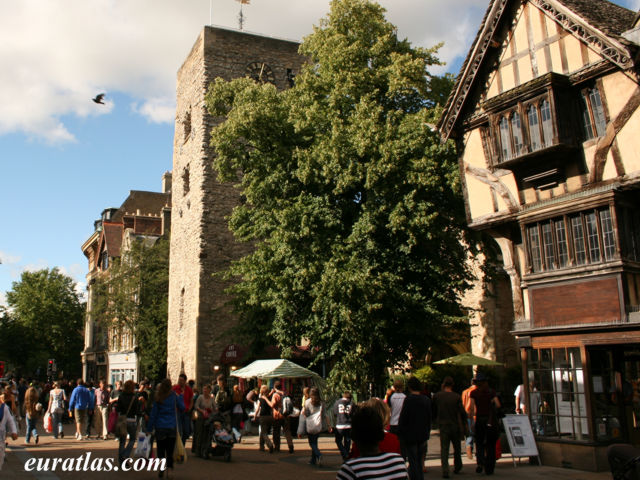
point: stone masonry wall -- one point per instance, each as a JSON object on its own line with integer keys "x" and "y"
{"x": 201, "y": 243}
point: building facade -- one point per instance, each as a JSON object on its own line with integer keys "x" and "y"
{"x": 110, "y": 352}
{"x": 201, "y": 244}
{"x": 545, "y": 117}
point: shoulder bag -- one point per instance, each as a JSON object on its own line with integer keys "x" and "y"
{"x": 121, "y": 424}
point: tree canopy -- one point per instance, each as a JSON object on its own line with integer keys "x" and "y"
{"x": 44, "y": 320}
{"x": 132, "y": 296}
{"x": 352, "y": 202}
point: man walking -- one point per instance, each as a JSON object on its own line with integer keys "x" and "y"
{"x": 342, "y": 411}
{"x": 280, "y": 418}
{"x": 466, "y": 403}
{"x": 102, "y": 408}
{"x": 184, "y": 420}
{"x": 79, "y": 405}
{"x": 414, "y": 426}
{"x": 450, "y": 417}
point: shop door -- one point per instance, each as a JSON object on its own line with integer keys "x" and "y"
{"x": 615, "y": 378}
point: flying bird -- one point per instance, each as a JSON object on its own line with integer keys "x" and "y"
{"x": 99, "y": 98}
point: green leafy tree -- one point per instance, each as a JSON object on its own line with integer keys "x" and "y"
{"x": 132, "y": 296}
{"x": 352, "y": 202}
{"x": 45, "y": 320}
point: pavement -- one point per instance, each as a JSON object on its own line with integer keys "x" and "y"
{"x": 247, "y": 462}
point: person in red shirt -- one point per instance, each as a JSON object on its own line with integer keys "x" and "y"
{"x": 390, "y": 443}
{"x": 184, "y": 418}
{"x": 484, "y": 403}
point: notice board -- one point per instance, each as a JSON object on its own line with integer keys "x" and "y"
{"x": 520, "y": 436}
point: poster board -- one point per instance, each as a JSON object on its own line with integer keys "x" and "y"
{"x": 520, "y": 436}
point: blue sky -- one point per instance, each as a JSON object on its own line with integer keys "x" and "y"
{"x": 64, "y": 159}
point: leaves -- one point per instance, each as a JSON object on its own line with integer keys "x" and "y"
{"x": 133, "y": 295}
{"x": 353, "y": 205}
{"x": 44, "y": 320}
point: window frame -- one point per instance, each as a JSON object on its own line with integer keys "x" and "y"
{"x": 595, "y": 128}
{"x": 538, "y": 259}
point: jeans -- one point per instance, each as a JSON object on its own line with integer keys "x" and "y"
{"x": 343, "y": 441}
{"x": 124, "y": 452}
{"x": 56, "y": 420}
{"x": 415, "y": 452}
{"x": 486, "y": 437}
{"x": 184, "y": 427}
{"x": 31, "y": 428}
{"x": 315, "y": 451}
{"x": 450, "y": 434}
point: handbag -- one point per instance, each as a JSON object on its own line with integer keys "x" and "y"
{"x": 121, "y": 424}
{"x": 314, "y": 423}
{"x": 48, "y": 423}
{"x": 179, "y": 452}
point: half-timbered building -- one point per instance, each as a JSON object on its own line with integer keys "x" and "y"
{"x": 546, "y": 120}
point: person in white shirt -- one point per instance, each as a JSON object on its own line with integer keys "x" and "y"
{"x": 396, "y": 400}
{"x": 7, "y": 424}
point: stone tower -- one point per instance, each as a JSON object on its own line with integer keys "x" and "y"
{"x": 201, "y": 243}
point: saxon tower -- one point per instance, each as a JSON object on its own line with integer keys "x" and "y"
{"x": 201, "y": 243}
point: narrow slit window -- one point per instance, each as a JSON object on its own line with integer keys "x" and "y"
{"x": 578, "y": 240}
{"x": 561, "y": 238}
{"x": 534, "y": 128}
{"x": 505, "y": 138}
{"x": 608, "y": 236}
{"x": 534, "y": 242}
{"x": 547, "y": 123}
{"x": 516, "y": 129}
{"x": 592, "y": 235}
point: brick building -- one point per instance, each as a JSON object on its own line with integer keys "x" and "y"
{"x": 110, "y": 353}
{"x": 546, "y": 120}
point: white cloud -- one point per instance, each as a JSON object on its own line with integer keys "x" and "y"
{"x": 56, "y": 55}
{"x": 3, "y": 299}
{"x": 8, "y": 259}
{"x": 157, "y": 110}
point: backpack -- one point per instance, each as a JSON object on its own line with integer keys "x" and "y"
{"x": 287, "y": 406}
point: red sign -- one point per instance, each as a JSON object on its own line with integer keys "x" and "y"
{"x": 232, "y": 354}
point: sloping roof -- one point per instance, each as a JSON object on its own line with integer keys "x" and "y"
{"x": 112, "y": 238}
{"x": 583, "y": 18}
{"x": 607, "y": 17}
{"x": 277, "y": 368}
{"x": 146, "y": 202}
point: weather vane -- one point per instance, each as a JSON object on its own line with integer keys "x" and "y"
{"x": 241, "y": 15}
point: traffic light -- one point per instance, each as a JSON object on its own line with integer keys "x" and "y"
{"x": 50, "y": 367}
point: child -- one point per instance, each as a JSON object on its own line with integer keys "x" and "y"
{"x": 221, "y": 434}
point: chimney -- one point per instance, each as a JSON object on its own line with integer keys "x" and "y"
{"x": 166, "y": 182}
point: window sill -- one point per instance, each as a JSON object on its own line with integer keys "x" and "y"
{"x": 551, "y": 149}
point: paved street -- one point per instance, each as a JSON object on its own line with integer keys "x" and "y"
{"x": 248, "y": 462}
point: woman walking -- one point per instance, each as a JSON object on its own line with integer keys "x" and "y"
{"x": 203, "y": 408}
{"x": 33, "y": 411}
{"x": 166, "y": 407}
{"x": 265, "y": 418}
{"x": 127, "y": 404}
{"x": 56, "y": 409}
{"x": 312, "y": 421}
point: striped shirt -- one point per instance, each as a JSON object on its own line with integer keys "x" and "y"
{"x": 384, "y": 466}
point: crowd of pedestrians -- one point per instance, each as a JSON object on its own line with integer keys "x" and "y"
{"x": 387, "y": 435}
